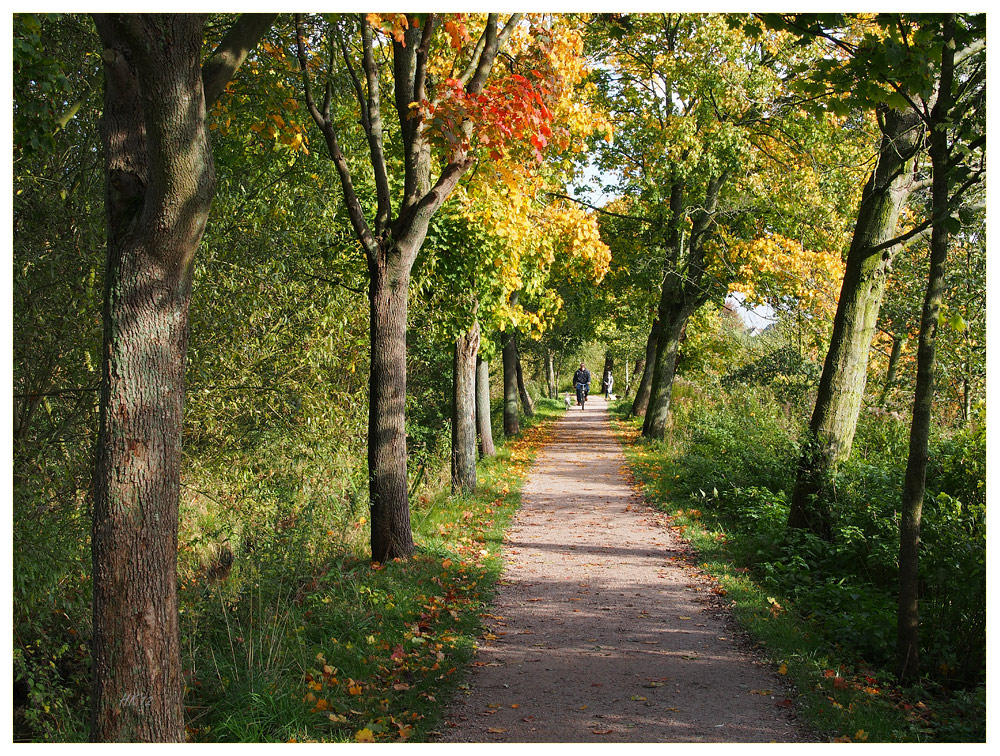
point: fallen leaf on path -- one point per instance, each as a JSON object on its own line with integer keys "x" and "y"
{"x": 497, "y": 730}
{"x": 602, "y": 732}
{"x": 785, "y": 703}
{"x": 682, "y": 617}
{"x": 764, "y": 692}
{"x": 639, "y": 698}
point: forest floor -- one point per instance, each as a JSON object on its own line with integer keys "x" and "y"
{"x": 603, "y": 628}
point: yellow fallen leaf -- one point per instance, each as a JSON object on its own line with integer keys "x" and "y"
{"x": 364, "y": 736}
{"x": 683, "y": 617}
{"x": 496, "y": 730}
{"x": 764, "y": 692}
{"x": 783, "y": 669}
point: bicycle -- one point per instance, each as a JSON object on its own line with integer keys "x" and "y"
{"x": 582, "y": 389}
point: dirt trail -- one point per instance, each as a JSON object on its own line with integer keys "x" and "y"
{"x": 598, "y": 632}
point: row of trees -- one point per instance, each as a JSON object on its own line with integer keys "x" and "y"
{"x": 736, "y": 147}
{"x": 164, "y": 94}
{"x": 756, "y": 130}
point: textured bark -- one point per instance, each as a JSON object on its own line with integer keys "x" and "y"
{"x": 641, "y": 402}
{"x": 673, "y": 319}
{"x": 391, "y": 536}
{"x": 511, "y": 420}
{"x": 484, "y": 420}
{"x": 160, "y": 181}
{"x": 522, "y": 390}
{"x": 463, "y": 416}
{"x": 908, "y": 617}
{"x": 845, "y": 369}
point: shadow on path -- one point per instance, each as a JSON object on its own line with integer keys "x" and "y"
{"x": 602, "y": 631}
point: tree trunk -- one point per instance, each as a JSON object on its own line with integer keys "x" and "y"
{"x": 511, "y": 421}
{"x": 484, "y": 418}
{"x": 550, "y": 374}
{"x": 160, "y": 182}
{"x": 890, "y": 373}
{"x": 907, "y": 622}
{"x": 641, "y": 402}
{"x": 463, "y": 416}
{"x": 665, "y": 366}
{"x": 526, "y": 403}
{"x": 842, "y": 384}
{"x": 391, "y": 537}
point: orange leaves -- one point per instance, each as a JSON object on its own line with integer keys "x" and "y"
{"x": 457, "y": 31}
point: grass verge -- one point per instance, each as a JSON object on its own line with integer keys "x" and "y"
{"x": 311, "y": 642}
{"x": 837, "y": 699}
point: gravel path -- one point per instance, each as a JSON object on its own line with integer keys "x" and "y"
{"x": 603, "y": 630}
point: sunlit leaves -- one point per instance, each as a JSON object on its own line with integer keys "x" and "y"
{"x": 780, "y": 271}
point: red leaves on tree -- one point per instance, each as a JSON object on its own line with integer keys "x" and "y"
{"x": 509, "y": 114}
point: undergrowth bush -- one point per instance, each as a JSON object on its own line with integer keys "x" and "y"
{"x": 731, "y": 455}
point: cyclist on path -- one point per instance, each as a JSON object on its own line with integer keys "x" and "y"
{"x": 581, "y": 380}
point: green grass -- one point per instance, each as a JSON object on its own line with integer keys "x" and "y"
{"x": 838, "y": 697}
{"x": 312, "y": 642}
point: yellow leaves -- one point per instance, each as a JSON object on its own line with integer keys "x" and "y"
{"x": 783, "y": 669}
{"x": 773, "y": 267}
{"x": 364, "y": 735}
{"x": 354, "y": 688}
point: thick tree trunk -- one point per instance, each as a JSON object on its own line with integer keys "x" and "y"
{"x": 522, "y": 391}
{"x": 160, "y": 181}
{"x": 908, "y": 619}
{"x": 842, "y": 384}
{"x": 511, "y": 420}
{"x": 463, "y": 416}
{"x": 391, "y": 537}
{"x": 642, "y": 394}
{"x": 550, "y": 374}
{"x": 673, "y": 321}
{"x": 484, "y": 419}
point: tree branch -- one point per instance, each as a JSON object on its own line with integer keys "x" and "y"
{"x": 226, "y": 59}
{"x": 354, "y": 209}
{"x": 601, "y": 210}
{"x": 374, "y": 131}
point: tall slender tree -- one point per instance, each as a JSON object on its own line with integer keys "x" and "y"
{"x": 958, "y": 99}
{"x": 391, "y": 239}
